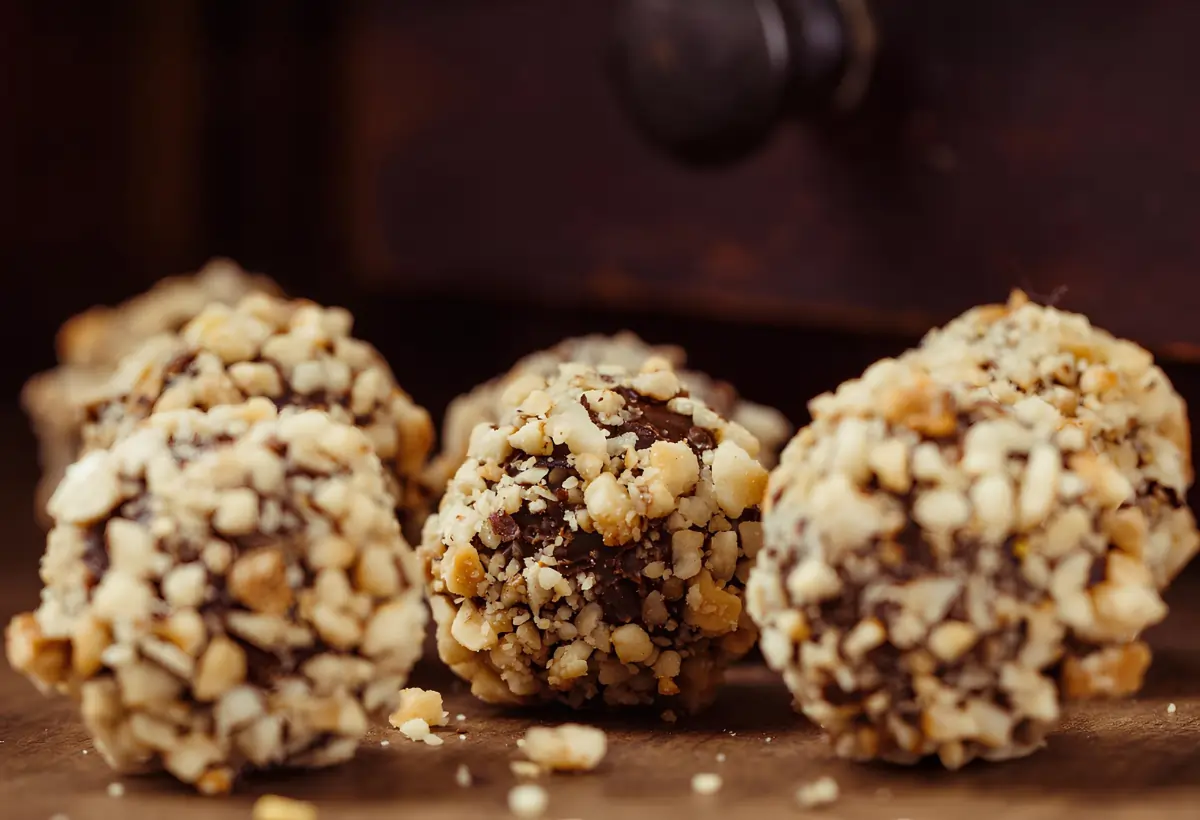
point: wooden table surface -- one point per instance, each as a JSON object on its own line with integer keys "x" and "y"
{"x": 1115, "y": 760}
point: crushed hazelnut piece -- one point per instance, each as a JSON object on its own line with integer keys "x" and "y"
{"x": 820, "y": 792}
{"x": 528, "y": 800}
{"x": 116, "y": 789}
{"x": 525, "y": 768}
{"x": 462, "y": 776}
{"x": 570, "y": 747}
{"x": 419, "y": 703}
{"x": 706, "y": 783}
{"x": 274, "y": 807}
{"x": 417, "y": 730}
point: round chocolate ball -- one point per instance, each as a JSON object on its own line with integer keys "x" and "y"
{"x": 593, "y": 547}
{"x": 225, "y": 591}
{"x": 295, "y": 353}
{"x": 941, "y": 570}
{"x": 92, "y": 343}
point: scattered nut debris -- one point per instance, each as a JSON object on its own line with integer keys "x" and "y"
{"x": 419, "y": 703}
{"x": 274, "y": 807}
{"x": 820, "y": 792}
{"x": 768, "y": 740}
{"x": 706, "y": 783}
{"x": 460, "y": 718}
{"x": 462, "y": 776}
{"x": 669, "y": 716}
{"x": 528, "y": 800}
{"x": 1170, "y": 708}
{"x": 571, "y": 747}
{"x": 418, "y": 730}
{"x": 462, "y": 737}
{"x": 525, "y": 768}
{"x": 116, "y": 789}
{"x": 385, "y": 743}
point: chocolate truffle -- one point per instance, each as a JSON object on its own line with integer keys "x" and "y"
{"x": 940, "y": 570}
{"x": 485, "y": 404}
{"x": 225, "y": 591}
{"x": 296, "y": 353}
{"x": 593, "y": 547}
{"x": 1110, "y": 387}
{"x": 92, "y": 343}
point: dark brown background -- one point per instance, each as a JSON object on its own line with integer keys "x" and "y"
{"x": 458, "y": 171}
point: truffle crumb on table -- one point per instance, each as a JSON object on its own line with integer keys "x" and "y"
{"x": 570, "y": 747}
{"x": 596, "y": 543}
{"x": 939, "y": 565}
{"x": 821, "y": 792}
{"x": 419, "y": 703}
{"x": 274, "y": 807}
{"x": 295, "y": 353}
{"x": 528, "y": 800}
{"x": 225, "y": 591}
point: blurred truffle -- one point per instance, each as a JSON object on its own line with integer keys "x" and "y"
{"x": 484, "y": 404}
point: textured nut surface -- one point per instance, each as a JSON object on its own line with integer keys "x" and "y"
{"x": 942, "y": 614}
{"x": 1107, "y": 388}
{"x": 91, "y": 344}
{"x": 488, "y": 403}
{"x": 295, "y": 353}
{"x": 590, "y": 547}
{"x": 206, "y": 649}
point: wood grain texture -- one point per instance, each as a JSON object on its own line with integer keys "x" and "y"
{"x": 1117, "y": 760}
{"x": 1005, "y": 143}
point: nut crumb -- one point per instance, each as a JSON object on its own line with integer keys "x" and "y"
{"x": 460, "y": 718}
{"x": 570, "y": 747}
{"x": 525, "y": 768}
{"x": 520, "y": 743}
{"x": 418, "y": 730}
{"x": 274, "y": 807}
{"x": 768, "y": 740}
{"x": 721, "y": 757}
{"x": 706, "y": 783}
{"x": 85, "y": 751}
{"x": 59, "y": 816}
{"x": 385, "y": 743}
{"x": 669, "y": 716}
{"x": 462, "y": 737}
{"x": 528, "y": 800}
{"x": 116, "y": 789}
{"x": 1170, "y": 708}
{"x": 820, "y": 792}
{"x": 462, "y": 776}
{"x": 419, "y": 703}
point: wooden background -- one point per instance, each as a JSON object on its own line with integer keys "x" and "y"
{"x": 458, "y": 167}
